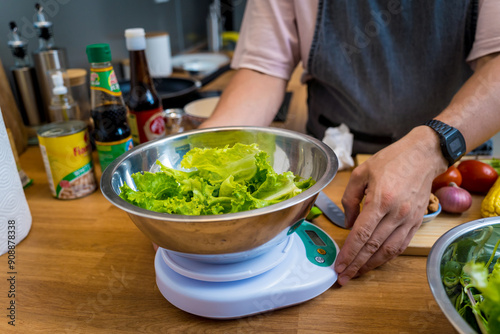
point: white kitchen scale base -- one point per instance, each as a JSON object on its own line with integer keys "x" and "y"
{"x": 296, "y": 270}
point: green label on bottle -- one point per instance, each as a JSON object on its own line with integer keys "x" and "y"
{"x": 104, "y": 79}
{"x": 108, "y": 152}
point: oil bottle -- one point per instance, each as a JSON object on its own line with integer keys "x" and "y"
{"x": 62, "y": 106}
{"x": 46, "y": 58}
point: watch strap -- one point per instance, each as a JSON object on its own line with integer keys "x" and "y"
{"x": 444, "y": 132}
{"x": 440, "y": 127}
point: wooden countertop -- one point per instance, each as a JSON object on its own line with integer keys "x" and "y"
{"x": 86, "y": 268}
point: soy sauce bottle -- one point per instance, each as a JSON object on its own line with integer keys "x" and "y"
{"x": 146, "y": 113}
{"x": 111, "y": 131}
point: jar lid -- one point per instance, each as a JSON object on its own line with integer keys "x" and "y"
{"x": 98, "y": 53}
{"x": 153, "y": 34}
{"x": 77, "y": 76}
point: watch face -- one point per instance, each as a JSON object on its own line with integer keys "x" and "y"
{"x": 456, "y": 145}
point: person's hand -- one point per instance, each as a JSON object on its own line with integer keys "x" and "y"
{"x": 395, "y": 184}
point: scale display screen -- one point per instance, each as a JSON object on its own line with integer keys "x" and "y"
{"x": 315, "y": 238}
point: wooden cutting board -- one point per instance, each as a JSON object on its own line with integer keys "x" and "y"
{"x": 425, "y": 237}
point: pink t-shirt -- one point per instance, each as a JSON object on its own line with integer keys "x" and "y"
{"x": 277, "y": 34}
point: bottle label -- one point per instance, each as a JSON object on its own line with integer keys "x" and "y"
{"x": 109, "y": 151}
{"x": 104, "y": 79}
{"x": 147, "y": 125}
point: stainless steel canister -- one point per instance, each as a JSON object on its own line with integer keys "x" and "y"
{"x": 27, "y": 90}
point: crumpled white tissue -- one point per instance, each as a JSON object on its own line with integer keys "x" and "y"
{"x": 340, "y": 141}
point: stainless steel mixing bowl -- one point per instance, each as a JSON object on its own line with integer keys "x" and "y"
{"x": 226, "y": 233}
{"x": 487, "y": 230}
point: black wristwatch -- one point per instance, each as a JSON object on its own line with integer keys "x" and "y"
{"x": 451, "y": 140}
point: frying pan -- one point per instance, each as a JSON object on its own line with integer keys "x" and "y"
{"x": 174, "y": 92}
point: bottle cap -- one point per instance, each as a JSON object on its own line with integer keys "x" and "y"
{"x": 59, "y": 88}
{"x": 98, "y": 53}
{"x": 135, "y": 39}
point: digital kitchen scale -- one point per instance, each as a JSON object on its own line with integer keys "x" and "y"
{"x": 225, "y": 287}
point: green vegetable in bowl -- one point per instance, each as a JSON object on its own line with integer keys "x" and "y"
{"x": 472, "y": 287}
{"x": 486, "y": 305}
{"x": 215, "y": 181}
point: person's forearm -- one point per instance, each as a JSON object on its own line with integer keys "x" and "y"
{"x": 475, "y": 109}
{"x": 251, "y": 98}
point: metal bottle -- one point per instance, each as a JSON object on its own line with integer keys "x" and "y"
{"x": 214, "y": 27}
{"x": 47, "y": 58}
{"x": 25, "y": 81}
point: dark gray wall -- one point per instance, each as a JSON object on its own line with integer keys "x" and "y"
{"x": 237, "y": 9}
{"x": 78, "y": 23}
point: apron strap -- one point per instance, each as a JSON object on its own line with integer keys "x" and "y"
{"x": 470, "y": 25}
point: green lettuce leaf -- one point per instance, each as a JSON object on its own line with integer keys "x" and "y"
{"x": 216, "y": 181}
{"x": 488, "y": 285}
{"x": 216, "y": 164}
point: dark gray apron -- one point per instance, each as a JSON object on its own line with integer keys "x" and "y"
{"x": 383, "y": 67}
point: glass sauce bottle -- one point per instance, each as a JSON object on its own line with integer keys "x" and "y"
{"x": 146, "y": 112}
{"x": 111, "y": 132}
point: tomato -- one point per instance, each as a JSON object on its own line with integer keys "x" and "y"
{"x": 451, "y": 175}
{"x": 477, "y": 176}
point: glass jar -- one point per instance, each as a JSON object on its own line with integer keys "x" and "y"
{"x": 80, "y": 92}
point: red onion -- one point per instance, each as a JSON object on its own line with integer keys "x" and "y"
{"x": 454, "y": 199}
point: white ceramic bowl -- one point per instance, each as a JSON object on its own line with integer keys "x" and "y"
{"x": 200, "y": 110}
{"x": 200, "y": 63}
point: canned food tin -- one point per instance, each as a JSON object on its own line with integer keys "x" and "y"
{"x": 67, "y": 155}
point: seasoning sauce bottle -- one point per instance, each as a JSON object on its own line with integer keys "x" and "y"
{"x": 111, "y": 132}
{"x": 146, "y": 111}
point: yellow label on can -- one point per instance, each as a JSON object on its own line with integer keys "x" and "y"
{"x": 68, "y": 163}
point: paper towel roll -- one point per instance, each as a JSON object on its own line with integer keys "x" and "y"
{"x": 158, "y": 54}
{"x": 15, "y": 216}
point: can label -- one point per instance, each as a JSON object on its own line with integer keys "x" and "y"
{"x": 109, "y": 151}
{"x": 68, "y": 163}
{"x": 104, "y": 79}
{"x": 146, "y": 125}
